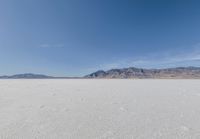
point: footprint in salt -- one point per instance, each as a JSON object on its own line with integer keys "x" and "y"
{"x": 181, "y": 115}
{"x": 42, "y": 106}
{"x": 79, "y": 127}
{"x": 122, "y": 109}
{"x": 82, "y": 99}
{"x": 99, "y": 117}
{"x": 184, "y": 128}
{"x": 65, "y": 109}
{"x": 114, "y": 103}
{"x": 108, "y": 134}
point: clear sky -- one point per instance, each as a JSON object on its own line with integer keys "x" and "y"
{"x": 76, "y": 37}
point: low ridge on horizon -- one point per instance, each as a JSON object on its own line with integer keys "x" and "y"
{"x": 25, "y": 76}
{"x": 33, "y": 76}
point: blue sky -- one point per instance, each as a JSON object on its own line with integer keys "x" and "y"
{"x": 76, "y": 37}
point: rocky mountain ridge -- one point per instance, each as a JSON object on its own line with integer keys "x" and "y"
{"x": 140, "y": 73}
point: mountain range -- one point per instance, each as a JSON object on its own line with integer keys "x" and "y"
{"x": 124, "y": 73}
{"x": 141, "y": 73}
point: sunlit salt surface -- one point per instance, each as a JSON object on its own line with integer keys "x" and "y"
{"x": 99, "y": 109}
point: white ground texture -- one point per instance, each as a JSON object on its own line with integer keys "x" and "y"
{"x": 99, "y": 109}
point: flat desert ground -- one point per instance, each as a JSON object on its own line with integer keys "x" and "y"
{"x": 99, "y": 109}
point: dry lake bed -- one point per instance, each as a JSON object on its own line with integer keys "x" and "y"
{"x": 99, "y": 109}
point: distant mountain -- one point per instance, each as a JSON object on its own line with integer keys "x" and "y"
{"x": 137, "y": 73}
{"x": 26, "y": 76}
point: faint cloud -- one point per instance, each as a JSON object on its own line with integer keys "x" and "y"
{"x": 157, "y": 60}
{"x": 51, "y": 45}
{"x": 44, "y": 45}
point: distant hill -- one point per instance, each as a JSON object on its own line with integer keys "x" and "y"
{"x": 140, "y": 73}
{"x": 26, "y": 76}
